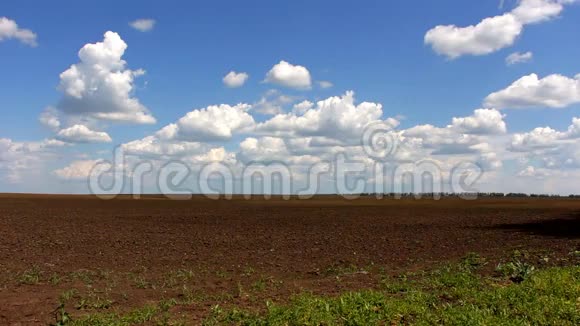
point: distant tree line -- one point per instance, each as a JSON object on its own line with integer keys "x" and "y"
{"x": 478, "y": 195}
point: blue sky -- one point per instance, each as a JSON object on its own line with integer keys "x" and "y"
{"x": 375, "y": 48}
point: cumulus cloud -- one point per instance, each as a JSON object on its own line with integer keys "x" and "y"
{"x": 234, "y": 79}
{"x": 518, "y": 57}
{"x": 574, "y": 129}
{"x": 482, "y": 122}
{"x": 154, "y": 147}
{"x": 553, "y": 91}
{"x": 463, "y": 136}
{"x": 272, "y": 103}
{"x": 539, "y": 138}
{"x": 77, "y": 170}
{"x": 10, "y": 30}
{"x": 289, "y": 75}
{"x": 302, "y": 107}
{"x": 213, "y": 155}
{"x": 49, "y": 119}
{"x": 533, "y": 172}
{"x": 100, "y": 86}
{"x": 492, "y": 33}
{"x": 143, "y": 25}
{"x": 18, "y": 158}
{"x": 273, "y": 149}
{"x": 335, "y": 117}
{"x": 545, "y": 138}
{"x": 537, "y": 11}
{"x": 213, "y": 123}
{"x": 444, "y": 141}
{"x": 82, "y": 134}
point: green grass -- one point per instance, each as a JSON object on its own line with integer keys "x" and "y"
{"x": 157, "y": 313}
{"x": 450, "y": 296}
{"x": 31, "y": 276}
{"x": 458, "y": 294}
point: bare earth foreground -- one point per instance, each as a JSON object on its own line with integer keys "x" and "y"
{"x": 113, "y": 256}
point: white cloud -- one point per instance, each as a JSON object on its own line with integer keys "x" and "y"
{"x": 553, "y": 91}
{"x": 213, "y": 123}
{"x": 82, "y": 134}
{"x": 272, "y": 103}
{"x": 288, "y": 75}
{"x": 77, "y": 170}
{"x": 574, "y": 129}
{"x": 492, "y": 33}
{"x": 482, "y": 122}
{"x": 325, "y": 84}
{"x": 518, "y": 57}
{"x": 533, "y": 172}
{"x": 21, "y": 158}
{"x": 335, "y": 118}
{"x": 545, "y": 138}
{"x": 302, "y": 107}
{"x": 49, "y": 119}
{"x": 213, "y": 155}
{"x": 143, "y": 25}
{"x": 539, "y": 138}
{"x": 153, "y": 146}
{"x": 444, "y": 141}
{"x": 465, "y": 135}
{"x": 100, "y": 86}
{"x": 315, "y": 133}
{"x": 537, "y": 11}
{"x": 273, "y": 149}
{"x": 234, "y": 79}
{"x": 10, "y": 30}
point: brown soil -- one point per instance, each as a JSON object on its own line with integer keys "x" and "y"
{"x": 241, "y": 252}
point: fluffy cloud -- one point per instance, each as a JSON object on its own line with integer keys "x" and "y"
{"x": 542, "y": 138}
{"x": 49, "y": 119}
{"x": 335, "y": 118}
{"x": 302, "y": 107}
{"x": 143, "y": 25}
{"x": 444, "y": 141}
{"x": 490, "y": 35}
{"x": 272, "y": 103}
{"x": 539, "y": 138}
{"x": 234, "y": 79}
{"x": 317, "y": 132}
{"x": 213, "y": 155}
{"x": 18, "y": 158}
{"x": 537, "y": 11}
{"x": 272, "y": 149}
{"x": 574, "y": 129}
{"x": 533, "y": 172}
{"x": 463, "y": 136}
{"x": 10, "y": 30}
{"x": 77, "y": 170}
{"x": 100, "y": 86}
{"x": 482, "y": 122}
{"x": 518, "y": 57}
{"x": 82, "y": 134}
{"x": 493, "y": 33}
{"x": 288, "y": 75}
{"x": 553, "y": 91}
{"x": 213, "y": 123}
{"x": 154, "y": 147}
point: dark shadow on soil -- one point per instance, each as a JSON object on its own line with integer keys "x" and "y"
{"x": 565, "y": 227}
